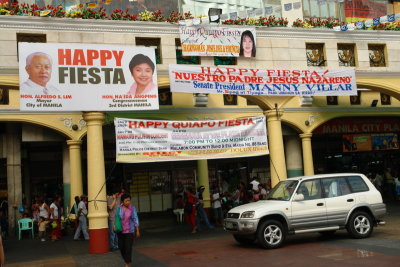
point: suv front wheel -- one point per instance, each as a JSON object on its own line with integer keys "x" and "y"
{"x": 271, "y": 234}
{"x": 360, "y": 225}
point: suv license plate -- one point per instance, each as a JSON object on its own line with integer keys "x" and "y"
{"x": 229, "y": 225}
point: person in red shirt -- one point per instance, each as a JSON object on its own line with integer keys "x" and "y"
{"x": 191, "y": 199}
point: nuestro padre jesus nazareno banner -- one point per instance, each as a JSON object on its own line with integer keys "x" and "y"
{"x": 153, "y": 140}
{"x": 83, "y": 77}
{"x": 249, "y": 81}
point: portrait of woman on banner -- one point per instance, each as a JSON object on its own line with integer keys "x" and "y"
{"x": 142, "y": 70}
{"x": 247, "y": 45}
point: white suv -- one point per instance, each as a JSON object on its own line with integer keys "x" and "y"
{"x": 320, "y": 203}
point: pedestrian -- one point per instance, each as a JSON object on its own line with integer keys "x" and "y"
{"x": 190, "y": 209}
{"x": 262, "y": 192}
{"x": 254, "y": 184}
{"x": 42, "y": 228}
{"x": 82, "y": 213}
{"x": 74, "y": 210}
{"x": 127, "y": 227}
{"x": 44, "y": 210}
{"x": 55, "y": 223}
{"x": 217, "y": 207}
{"x": 113, "y": 202}
{"x": 201, "y": 214}
{"x": 35, "y": 210}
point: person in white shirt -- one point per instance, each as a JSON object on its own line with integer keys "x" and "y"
{"x": 255, "y": 184}
{"x": 217, "y": 207}
{"x": 38, "y": 66}
{"x": 55, "y": 220}
{"x": 82, "y": 213}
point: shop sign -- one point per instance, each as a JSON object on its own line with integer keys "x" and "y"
{"x": 153, "y": 140}
{"x": 359, "y": 125}
{"x": 223, "y": 41}
{"x": 86, "y": 77}
{"x": 369, "y": 142}
{"x": 246, "y": 81}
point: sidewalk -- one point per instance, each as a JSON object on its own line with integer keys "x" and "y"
{"x": 156, "y": 230}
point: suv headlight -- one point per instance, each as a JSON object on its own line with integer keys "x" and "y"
{"x": 247, "y": 214}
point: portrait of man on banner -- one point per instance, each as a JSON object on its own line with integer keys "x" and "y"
{"x": 38, "y": 67}
{"x": 141, "y": 68}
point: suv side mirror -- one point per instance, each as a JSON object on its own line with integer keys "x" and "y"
{"x": 298, "y": 197}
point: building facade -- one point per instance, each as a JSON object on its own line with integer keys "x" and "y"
{"x": 69, "y": 153}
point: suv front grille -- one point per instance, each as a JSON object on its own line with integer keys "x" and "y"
{"x": 233, "y": 215}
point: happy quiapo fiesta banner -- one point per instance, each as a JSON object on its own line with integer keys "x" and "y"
{"x": 247, "y": 81}
{"x": 153, "y": 140}
{"x": 86, "y": 77}
{"x": 206, "y": 40}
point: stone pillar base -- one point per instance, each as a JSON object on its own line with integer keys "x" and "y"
{"x": 98, "y": 243}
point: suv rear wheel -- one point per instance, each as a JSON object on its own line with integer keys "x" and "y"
{"x": 244, "y": 239}
{"x": 271, "y": 234}
{"x": 360, "y": 225}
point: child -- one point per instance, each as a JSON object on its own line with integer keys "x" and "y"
{"x": 42, "y": 228}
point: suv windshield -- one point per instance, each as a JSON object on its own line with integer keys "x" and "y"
{"x": 283, "y": 191}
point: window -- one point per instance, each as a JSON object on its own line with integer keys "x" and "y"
{"x": 315, "y": 55}
{"x": 30, "y": 38}
{"x": 311, "y": 189}
{"x": 332, "y": 100}
{"x": 230, "y": 100}
{"x": 225, "y": 61}
{"x": 335, "y": 187}
{"x": 357, "y": 184}
{"x": 151, "y": 42}
{"x": 376, "y": 55}
{"x": 346, "y": 55}
{"x": 385, "y": 99}
{"x": 193, "y": 60}
{"x": 164, "y": 96}
{"x": 4, "y": 100}
{"x": 320, "y": 9}
{"x": 355, "y": 99}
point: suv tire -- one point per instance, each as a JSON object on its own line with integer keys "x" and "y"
{"x": 271, "y": 234}
{"x": 244, "y": 239}
{"x": 360, "y": 225}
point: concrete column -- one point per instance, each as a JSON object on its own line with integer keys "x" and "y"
{"x": 66, "y": 180}
{"x": 307, "y": 154}
{"x": 276, "y": 149}
{"x": 294, "y": 160}
{"x": 75, "y": 165}
{"x": 14, "y": 183}
{"x": 202, "y": 176}
{"x": 98, "y": 216}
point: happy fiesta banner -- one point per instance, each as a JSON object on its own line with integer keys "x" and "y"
{"x": 86, "y": 77}
{"x": 154, "y": 140}
{"x": 249, "y": 81}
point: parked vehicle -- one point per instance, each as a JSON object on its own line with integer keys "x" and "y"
{"x": 320, "y": 203}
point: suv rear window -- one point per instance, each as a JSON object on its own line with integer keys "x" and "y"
{"x": 357, "y": 184}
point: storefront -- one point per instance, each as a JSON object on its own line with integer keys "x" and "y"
{"x": 357, "y": 144}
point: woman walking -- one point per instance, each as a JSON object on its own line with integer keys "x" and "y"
{"x": 127, "y": 227}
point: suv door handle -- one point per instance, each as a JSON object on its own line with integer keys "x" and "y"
{"x": 320, "y": 204}
{"x": 350, "y": 200}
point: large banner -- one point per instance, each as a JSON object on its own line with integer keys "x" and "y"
{"x": 81, "y": 77}
{"x": 246, "y": 81}
{"x": 356, "y": 10}
{"x": 368, "y": 142}
{"x": 151, "y": 140}
{"x": 206, "y": 40}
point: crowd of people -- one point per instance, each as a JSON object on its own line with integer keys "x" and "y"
{"x": 192, "y": 202}
{"x": 387, "y": 182}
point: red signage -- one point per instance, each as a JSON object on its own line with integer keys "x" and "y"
{"x": 359, "y": 125}
{"x": 364, "y": 9}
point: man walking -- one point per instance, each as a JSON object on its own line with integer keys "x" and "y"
{"x": 82, "y": 213}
